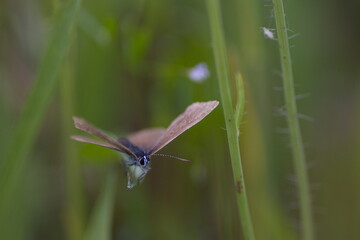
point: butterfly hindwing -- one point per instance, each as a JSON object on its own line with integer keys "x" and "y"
{"x": 146, "y": 138}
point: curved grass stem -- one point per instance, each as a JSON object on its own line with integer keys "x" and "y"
{"x": 230, "y": 118}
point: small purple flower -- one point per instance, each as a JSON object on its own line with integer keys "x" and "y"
{"x": 199, "y": 73}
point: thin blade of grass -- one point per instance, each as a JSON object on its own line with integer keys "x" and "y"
{"x": 35, "y": 106}
{"x": 233, "y": 140}
{"x": 293, "y": 122}
{"x": 100, "y": 223}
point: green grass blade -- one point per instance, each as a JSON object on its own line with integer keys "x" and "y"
{"x": 233, "y": 140}
{"x": 35, "y": 106}
{"x": 293, "y": 122}
{"x": 100, "y": 223}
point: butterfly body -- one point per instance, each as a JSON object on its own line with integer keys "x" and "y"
{"x": 139, "y": 147}
{"x": 136, "y": 167}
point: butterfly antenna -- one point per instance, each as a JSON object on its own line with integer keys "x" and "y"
{"x": 165, "y": 155}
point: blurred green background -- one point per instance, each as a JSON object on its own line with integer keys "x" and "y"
{"x": 126, "y": 69}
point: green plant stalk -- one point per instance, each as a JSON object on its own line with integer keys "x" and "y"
{"x": 25, "y": 133}
{"x": 233, "y": 140}
{"x": 293, "y": 122}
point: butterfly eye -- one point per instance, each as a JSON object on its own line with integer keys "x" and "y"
{"x": 144, "y": 161}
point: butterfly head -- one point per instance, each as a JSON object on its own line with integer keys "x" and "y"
{"x": 137, "y": 170}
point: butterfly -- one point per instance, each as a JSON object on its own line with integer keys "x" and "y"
{"x": 138, "y": 148}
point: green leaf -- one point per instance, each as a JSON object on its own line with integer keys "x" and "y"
{"x": 240, "y": 104}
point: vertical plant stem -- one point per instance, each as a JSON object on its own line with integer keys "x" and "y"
{"x": 293, "y": 122}
{"x": 73, "y": 185}
{"x": 233, "y": 140}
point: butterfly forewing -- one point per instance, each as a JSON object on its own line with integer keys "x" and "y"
{"x": 192, "y": 115}
{"x": 87, "y": 127}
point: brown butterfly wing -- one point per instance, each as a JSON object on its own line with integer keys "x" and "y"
{"x": 87, "y": 127}
{"x": 88, "y": 140}
{"x": 146, "y": 138}
{"x": 192, "y": 115}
